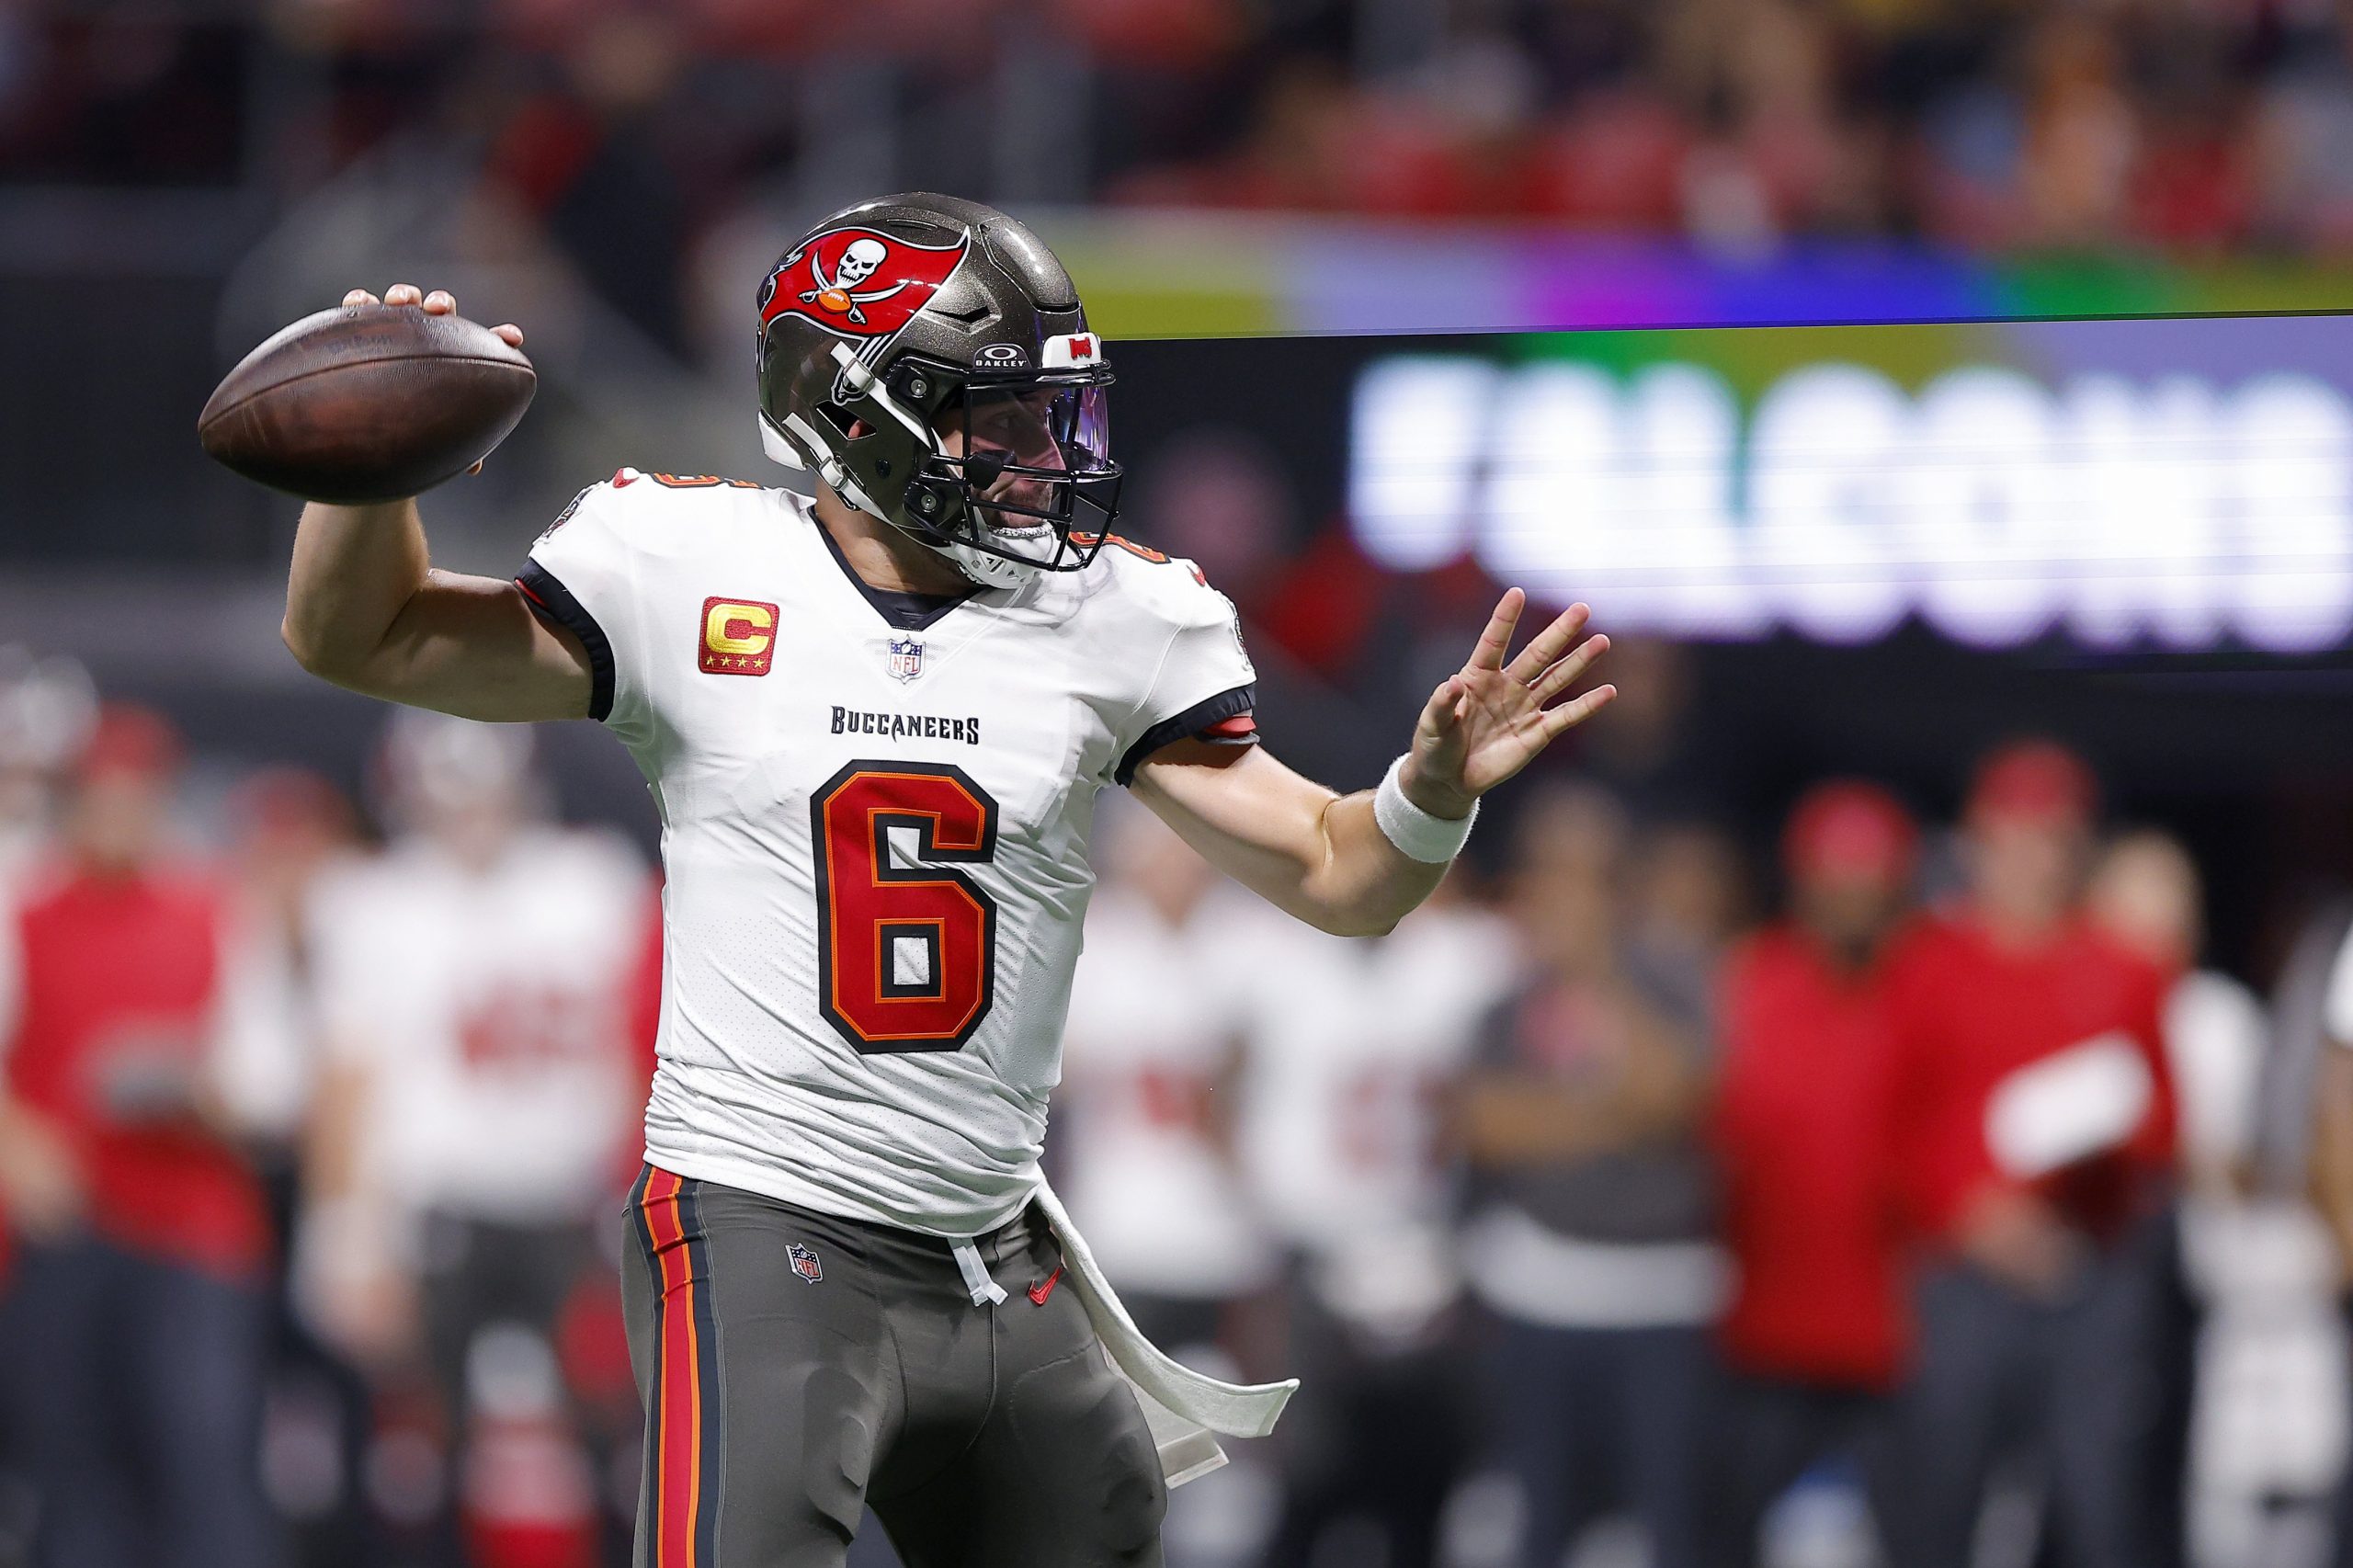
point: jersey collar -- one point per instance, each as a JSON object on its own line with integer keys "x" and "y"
{"x": 901, "y": 611}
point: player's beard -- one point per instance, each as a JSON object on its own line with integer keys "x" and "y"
{"x": 1019, "y": 532}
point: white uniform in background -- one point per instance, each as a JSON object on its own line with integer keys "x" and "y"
{"x": 268, "y": 1067}
{"x": 2269, "y": 1420}
{"x": 1156, "y": 1021}
{"x": 1352, "y": 1046}
{"x": 489, "y": 1008}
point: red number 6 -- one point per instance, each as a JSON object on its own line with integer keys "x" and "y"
{"x": 907, "y": 956}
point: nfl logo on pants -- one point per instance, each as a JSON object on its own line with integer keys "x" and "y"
{"x": 906, "y": 657}
{"x": 804, "y": 1263}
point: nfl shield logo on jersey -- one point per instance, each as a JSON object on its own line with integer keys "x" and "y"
{"x": 804, "y": 1263}
{"x": 906, "y": 657}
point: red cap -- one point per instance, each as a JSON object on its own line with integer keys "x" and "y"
{"x": 129, "y": 739}
{"x": 1846, "y": 827}
{"x": 2038, "y": 781}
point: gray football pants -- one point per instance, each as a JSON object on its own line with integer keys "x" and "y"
{"x": 797, "y": 1367}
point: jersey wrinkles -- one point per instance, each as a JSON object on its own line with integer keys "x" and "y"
{"x": 875, "y": 836}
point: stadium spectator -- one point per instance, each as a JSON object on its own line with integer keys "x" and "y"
{"x": 2035, "y": 1117}
{"x": 475, "y": 984}
{"x": 1817, "y": 1332}
{"x": 610, "y": 139}
{"x": 136, "y": 1322}
{"x": 1593, "y": 1240}
{"x": 1354, "y": 1047}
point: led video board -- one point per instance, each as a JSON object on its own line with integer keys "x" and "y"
{"x": 2177, "y": 485}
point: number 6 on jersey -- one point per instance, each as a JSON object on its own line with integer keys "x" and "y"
{"x": 906, "y": 955}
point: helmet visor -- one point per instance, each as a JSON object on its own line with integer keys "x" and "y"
{"x": 1035, "y": 458}
{"x": 1049, "y": 429}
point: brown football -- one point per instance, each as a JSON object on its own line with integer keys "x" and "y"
{"x": 368, "y": 402}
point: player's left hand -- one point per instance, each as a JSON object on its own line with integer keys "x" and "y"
{"x": 1486, "y": 722}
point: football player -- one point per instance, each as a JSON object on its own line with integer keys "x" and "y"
{"x": 474, "y": 988}
{"x": 875, "y": 723}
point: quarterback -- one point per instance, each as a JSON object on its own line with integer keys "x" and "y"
{"x": 875, "y": 723}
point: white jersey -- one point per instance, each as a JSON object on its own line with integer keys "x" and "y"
{"x": 874, "y": 822}
{"x": 491, "y": 1009}
{"x": 1353, "y": 1046}
{"x": 1155, "y": 1030}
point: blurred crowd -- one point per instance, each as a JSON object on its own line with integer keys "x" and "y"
{"x": 1937, "y": 1206}
{"x": 2189, "y": 127}
{"x": 311, "y": 1150}
{"x": 1949, "y": 1213}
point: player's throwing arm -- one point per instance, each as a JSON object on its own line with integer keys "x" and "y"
{"x": 365, "y": 607}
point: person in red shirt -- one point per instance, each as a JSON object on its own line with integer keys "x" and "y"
{"x": 1817, "y": 1331}
{"x": 135, "y": 1321}
{"x": 2034, "y": 1116}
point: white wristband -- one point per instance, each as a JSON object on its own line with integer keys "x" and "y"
{"x": 1417, "y": 834}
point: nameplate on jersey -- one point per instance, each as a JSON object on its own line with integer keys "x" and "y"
{"x": 906, "y": 726}
{"x": 738, "y": 637}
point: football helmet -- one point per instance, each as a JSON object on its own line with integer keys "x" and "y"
{"x": 928, "y": 360}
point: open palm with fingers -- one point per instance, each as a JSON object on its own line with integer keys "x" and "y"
{"x": 1490, "y": 719}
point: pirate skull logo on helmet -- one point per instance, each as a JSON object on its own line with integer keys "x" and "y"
{"x": 859, "y": 262}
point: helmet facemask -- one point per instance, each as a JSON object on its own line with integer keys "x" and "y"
{"x": 1005, "y": 473}
{"x": 1023, "y": 475}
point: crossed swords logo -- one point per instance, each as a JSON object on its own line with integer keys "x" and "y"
{"x": 839, "y": 293}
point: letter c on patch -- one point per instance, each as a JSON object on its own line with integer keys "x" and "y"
{"x": 738, "y": 637}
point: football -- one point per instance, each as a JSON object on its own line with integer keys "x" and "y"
{"x": 368, "y": 402}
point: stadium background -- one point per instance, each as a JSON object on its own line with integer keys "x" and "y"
{"x": 1259, "y": 201}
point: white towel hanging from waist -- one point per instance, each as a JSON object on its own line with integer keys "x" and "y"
{"x": 1183, "y": 1407}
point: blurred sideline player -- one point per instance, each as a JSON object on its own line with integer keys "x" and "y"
{"x": 286, "y": 831}
{"x": 46, "y": 710}
{"x": 1817, "y": 1332}
{"x": 876, "y": 723}
{"x": 2331, "y": 1151}
{"x": 1353, "y": 1051}
{"x": 1593, "y": 1234}
{"x": 1152, "y": 1061}
{"x": 475, "y": 982}
{"x": 2251, "y": 1356}
{"x": 47, "y": 707}
{"x": 1144, "y": 1153}
{"x": 136, "y": 1322}
{"x": 2035, "y": 1116}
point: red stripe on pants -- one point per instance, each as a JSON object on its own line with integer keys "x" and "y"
{"x": 678, "y": 1489}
